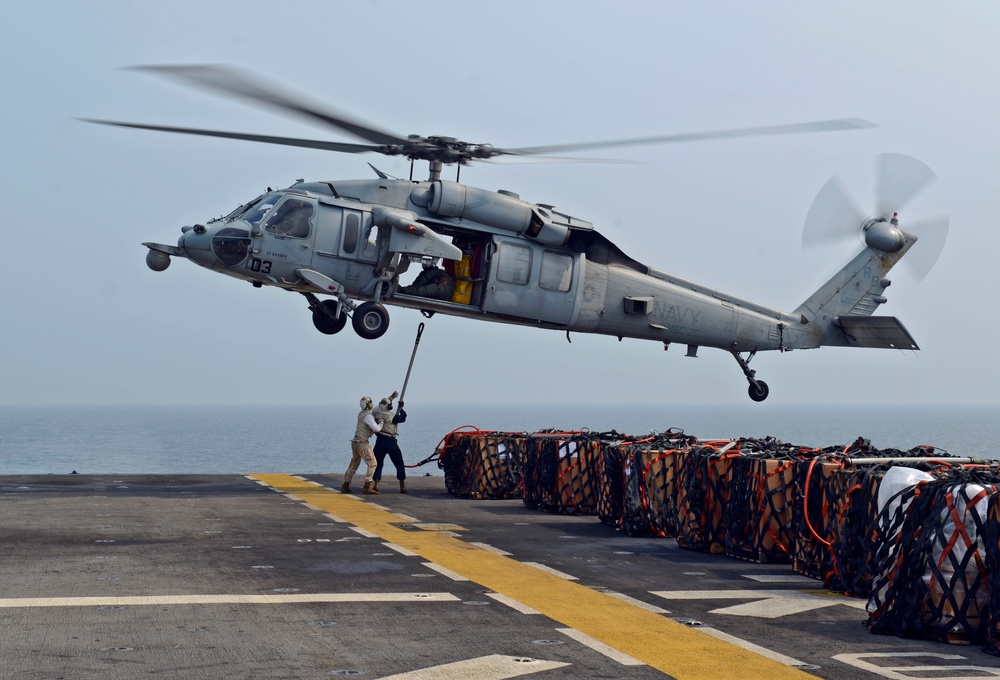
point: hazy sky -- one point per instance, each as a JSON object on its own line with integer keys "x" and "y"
{"x": 84, "y": 320}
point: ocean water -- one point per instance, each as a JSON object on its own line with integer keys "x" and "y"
{"x": 244, "y": 439}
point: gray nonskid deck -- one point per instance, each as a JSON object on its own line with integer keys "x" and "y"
{"x": 218, "y": 576}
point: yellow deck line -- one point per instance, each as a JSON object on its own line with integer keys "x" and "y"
{"x": 666, "y": 645}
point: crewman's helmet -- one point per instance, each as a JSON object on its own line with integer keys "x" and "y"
{"x": 366, "y": 402}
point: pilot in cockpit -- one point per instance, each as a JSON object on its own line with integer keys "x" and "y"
{"x": 291, "y": 219}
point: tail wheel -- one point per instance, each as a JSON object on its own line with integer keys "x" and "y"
{"x": 758, "y": 391}
{"x": 331, "y": 323}
{"x": 371, "y": 320}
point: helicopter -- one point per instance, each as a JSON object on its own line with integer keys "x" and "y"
{"x": 507, "y": 260}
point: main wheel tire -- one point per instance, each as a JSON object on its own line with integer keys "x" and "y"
{"x": 323, "y": 322}
{"x": 759, "y": 391}
{"x": 371, "y": 320}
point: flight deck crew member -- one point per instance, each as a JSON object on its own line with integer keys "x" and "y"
{"x": 361, "y": 449}
{"x": 385, "y": 441}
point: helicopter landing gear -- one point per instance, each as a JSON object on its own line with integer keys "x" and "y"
{"x": 327, "y": 320}
{"x": 758, "y": 390}
{"x": 325, "y": 316}
{"x": 371, "y": 320}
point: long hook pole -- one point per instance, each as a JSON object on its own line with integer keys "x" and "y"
{"x": 416, "y": 343}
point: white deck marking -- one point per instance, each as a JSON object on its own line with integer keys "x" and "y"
{"x": 910, "y": 670}
{"x": 400, "y": 549}
{"x": 445, "y": 572}
{"x": 335, "y": 518}
{"x": 493, "y": 667}
{"x": 550, "y": 570}
{"x": 781, "y": 578}
{"x": 751, "y": 647}
{"x": 638, "y": 603}
{"x": 512, "y": 603}
{"x": 292, "y": 598}
{"x": 600, "y": 647}
{"x": 767, "y": 604}
{"x": 490, "y": 548}
{"x": 363, "y": 532}
{"x": 406, "y": 518}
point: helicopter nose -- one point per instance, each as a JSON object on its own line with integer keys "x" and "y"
{"x": 196, "y": 242}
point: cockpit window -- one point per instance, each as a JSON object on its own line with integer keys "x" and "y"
{"x": 293, "y": 218}
{"x": 259, "y": 208}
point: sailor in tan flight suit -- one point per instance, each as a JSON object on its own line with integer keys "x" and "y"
{"x": 361, "y": 449}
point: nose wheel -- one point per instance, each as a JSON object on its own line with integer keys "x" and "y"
{"x": 758, "y": 389}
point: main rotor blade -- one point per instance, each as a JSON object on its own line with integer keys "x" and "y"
{"x": 899, "y": 179}
{"x": 931, "y": 235}
{"x": 833, "y": 216}
{"x": 796, "y": 128}
{"x": 230, "y": 81}
{"x": 284, "y": 141}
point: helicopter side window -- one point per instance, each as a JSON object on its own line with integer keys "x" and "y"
{"x": 352, "y": 233}
{"x": 514, "y": 264}
{"x": 292, "y": 218}
{"x": 557, "y": 271}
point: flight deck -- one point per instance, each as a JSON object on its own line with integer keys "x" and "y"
{"x": 282, "y": 576}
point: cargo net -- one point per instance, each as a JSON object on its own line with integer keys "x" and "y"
{"x": 637, "y": 491}
{"x": 837, "y": 507}
{"x": 758, "y": 511}
{"x": 562, "y": 471}
{"x": 482, "y": 465}
{"x": 930, "y": 565}
{"x": 702, "y": 491}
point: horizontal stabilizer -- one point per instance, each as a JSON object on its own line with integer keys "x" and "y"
{"x": 881, "y": 332}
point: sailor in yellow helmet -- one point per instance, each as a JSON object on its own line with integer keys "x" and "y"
{"x": 361, "y": 449}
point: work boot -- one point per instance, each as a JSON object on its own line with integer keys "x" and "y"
{"x": 369, "y": 490}
{"x": 402, "y": 486}
{"x": 345, "y": 487}
{"x": 376, "y": 485}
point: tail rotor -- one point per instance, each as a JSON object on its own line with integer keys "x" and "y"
{"x": 835, "y": 216}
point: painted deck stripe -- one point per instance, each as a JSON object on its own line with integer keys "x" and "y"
{"x": 682, "y": 652}
{"x": 364, "y": 532}
{"x": 512, "y": 603}
{"x": 638, "y": 603}
{"x": 749, "y": 646}
{"x": 600, "y": 647}
{"x": 289, "y": 598}
{"x": 493, "y": 667}
{"x": 445, "y": 572}
{"x": 401, "y": 550}
{"x": 549, "y": 570}
{"x": 487, "y": 546}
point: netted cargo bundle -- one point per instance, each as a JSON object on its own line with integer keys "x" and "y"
{"x": 992, "y": 539}
{"x": 702, "y": 488}
{"x": 611, "y": 491}
{"x": 562, "y": 472}
{"x": 854, "y": 540}
{"x": 857, "y": 533}
{"x": 758, "y": 511}
{"x": 482, "y": 465}
{"x": 650, "y": 485}
{"x": 931, "y": 582}
{"x": 821, "y": 492}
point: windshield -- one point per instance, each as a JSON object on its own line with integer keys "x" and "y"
{"x": 257, "y": 209}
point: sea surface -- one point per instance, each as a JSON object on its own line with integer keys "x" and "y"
{"x": 245, "y": 439}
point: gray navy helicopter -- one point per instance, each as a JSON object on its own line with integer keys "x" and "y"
{"x": 344, "y": 245}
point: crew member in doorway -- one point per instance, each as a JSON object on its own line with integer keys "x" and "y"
{"x": 385, "y": 441}
{"x": 361, "y": 449}
{"x": 432, "y": 282}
